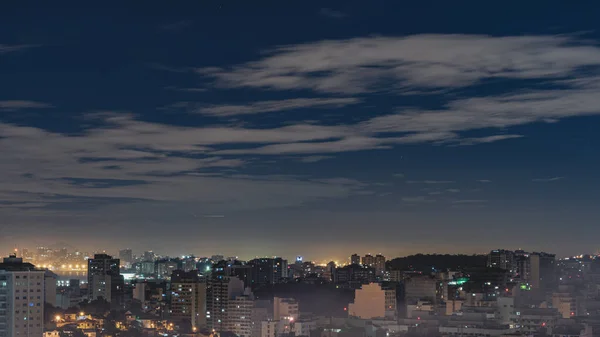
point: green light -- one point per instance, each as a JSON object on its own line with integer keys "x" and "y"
{"x": 459, "y": 281}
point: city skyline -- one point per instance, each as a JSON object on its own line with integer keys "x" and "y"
{"x": 287, "y": 129}
{"x": 320, "y": 260}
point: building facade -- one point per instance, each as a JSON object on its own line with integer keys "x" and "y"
{"x": 188, "y": 298}
{"x": 21, "y": 298}
{"x": 105, "y": 280}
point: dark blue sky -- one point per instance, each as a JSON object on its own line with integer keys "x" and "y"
{"x": 317, "y": 129}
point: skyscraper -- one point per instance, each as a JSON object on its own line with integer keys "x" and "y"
{"x": 368, "y": 260}
{"x": 503, "y": 259}
{"x": 21, "y": 298}
{"x": 542, "y": 275}
{"x": 268, "y": 270}
{"x": 188, "y": 297}
{"x": 239, "y": 314}
{"x": 354, "y": 259}
{"x": 104, "y": 279}
{"x": 219, "y": 290}
{"x": 126, "y": 256}
{"x": 379, "y": 264}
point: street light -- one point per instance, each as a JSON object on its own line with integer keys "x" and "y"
{"x": 57, "y": 318}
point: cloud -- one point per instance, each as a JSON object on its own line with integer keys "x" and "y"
{"x": 545, "y": 180}
{"x": 417, "y": 61}
{"x": 488, "y": 139}
{"x": 314, "y": 159}
{"x": 281, "y": 105}
{"x": 419, "y": 199}
{"x": 124, "y": 159}
{"x": 349, "y": 143}
{"x": 4, "y": 48}
{"x": 469, "y": 201}
{"x": 453, "y": 190}
{"x": 435, "y": 64}
{"x": 331, "y": 13}
{"x": 17, "y": 105}
{"x": 398, "y": 175}
{"x": 484, "y": 181}
{"x": 430, "y": 182}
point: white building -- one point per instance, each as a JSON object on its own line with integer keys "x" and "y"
{"x": 373, "y": 302}
{"x": 21, "y": 298}
{"x": 239, "y": 315}
{"x": 219, "y": 291}
{"x": 285, "y": 308}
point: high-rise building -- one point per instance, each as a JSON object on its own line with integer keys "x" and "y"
{"x": 354, "y": 275}
{"x": 260, "y": 312}
{"x": 149, "y": 256}
{"x": 354, "y": 259}
{"x": 219, "y": 290}
{"x": 420, "y": 288}
{"x": 188, "y": 298}
{"x": 165, "y": 268}
{"x": 50, "y": 287}
{"x": 368, "y": 260}
{"x": 371, "y": 301}
{"x": 21, "y": 298}
{"x": 104, "y": 279}
{"x": 379, "y": 265}
{"x": 503, "y": 259}
{"x": 522, "y": 267}
{"x": 188, "y": 264}
{"x": 329, "y": 272}
{"x": 239, "y": 315}
{"x": 268, "y": 270}
{"x": 126, "y": 256}
{"x": 285, "y": 309}
{"x": 542, "y": 274}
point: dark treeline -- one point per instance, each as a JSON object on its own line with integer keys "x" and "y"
{"x": 425, "y": 262}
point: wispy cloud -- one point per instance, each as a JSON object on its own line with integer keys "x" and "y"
{"x": 314, "y": 159}
{"x": 430, "y": 182}
{"x": 418, "y": 199}
{"x": 469, "y": 201}
{"x": 435, "y": 63}
{"x": 281, "y": 105}
{"x": 17, "y": 105}
{"x": 4, "y": 48}
{"x": 398, "y": 175}
{"x": 430, "y": 61}
{"x": 488, "y": 139}
{"x": 331, "y": 13}
{"x": 484, "y": 181}
{"x": 168, "y": 164}
{"x": 545, "y": 180}
{"x": 453, "y": 190}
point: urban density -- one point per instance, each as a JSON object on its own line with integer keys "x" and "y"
{"x": 57, "y": 292}
{"x": 308, "y": 168}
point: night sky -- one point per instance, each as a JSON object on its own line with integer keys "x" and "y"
{"x": 315, "y": 128}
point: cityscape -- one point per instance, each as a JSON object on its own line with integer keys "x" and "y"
{"x": 339, "y": 168}
{"x": 502, "y": 293}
